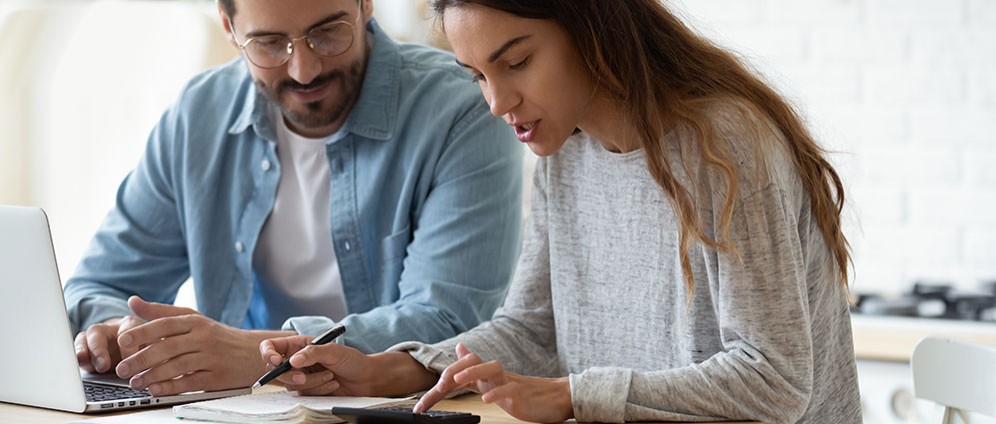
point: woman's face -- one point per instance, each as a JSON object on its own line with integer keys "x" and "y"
{"x": 528, "y": 69}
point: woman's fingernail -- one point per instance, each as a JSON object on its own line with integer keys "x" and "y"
{"x": 298, "y": 378}
{"x": 124, "y": 340}
{"x": 328, "y": 377}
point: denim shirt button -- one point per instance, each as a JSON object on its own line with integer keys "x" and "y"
{"x": 265, "y": 165}
{"x": 346, "y": 245}
{"x": 239, "y": 247}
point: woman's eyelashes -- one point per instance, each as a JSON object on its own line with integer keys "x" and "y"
{"x": 519, "y": 65}
{"x": 477, "y": 77}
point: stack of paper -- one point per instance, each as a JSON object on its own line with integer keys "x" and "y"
{"x": 279, "y": 407}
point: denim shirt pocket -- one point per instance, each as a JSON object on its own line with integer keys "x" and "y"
{"x": 392, "y": 254}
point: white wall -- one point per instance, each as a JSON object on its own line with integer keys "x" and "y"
{"x": 94, "y": 78}
{"x": 905, "y": 91}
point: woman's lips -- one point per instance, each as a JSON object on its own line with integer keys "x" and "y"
{"x": 526, "y": 132}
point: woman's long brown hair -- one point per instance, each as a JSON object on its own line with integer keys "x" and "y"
{"x": 663, "y": 73}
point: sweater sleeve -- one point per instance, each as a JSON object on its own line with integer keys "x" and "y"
{"x": 764, "y": 371}
{"x": 521, "y": 334}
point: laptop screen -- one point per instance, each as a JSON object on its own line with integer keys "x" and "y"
{"x": 41, "y": 366}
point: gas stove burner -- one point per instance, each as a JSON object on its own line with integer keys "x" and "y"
{"x": 933, "y": 300}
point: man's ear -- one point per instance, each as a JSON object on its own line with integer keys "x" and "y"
{"x": 226, "y": 23}
{"x": 368, "y": 10}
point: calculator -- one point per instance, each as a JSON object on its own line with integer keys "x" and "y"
{"x": 403, "y": 416}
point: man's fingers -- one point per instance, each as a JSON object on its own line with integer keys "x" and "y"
{"x": 324, "y": 389}
{"x": 100, "y": 355}
{"x": 124, "y": 325}
{"x": 281, "y": 347}
{"x": 175, "y": 367}
{"x": 154, "y": 331}
{"x": 297, "y": 381}
{"x": 166, "y": 350}
{"x": 150, "y": 310}
{"x": 201, "y": 380}
{"x": 83, "y": 352}
{"x": 330, "y": 356}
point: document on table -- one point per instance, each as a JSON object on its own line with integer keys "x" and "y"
{"x": 280, "y": 407}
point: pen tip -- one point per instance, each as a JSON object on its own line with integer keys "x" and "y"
{"x": 256, "y": 386}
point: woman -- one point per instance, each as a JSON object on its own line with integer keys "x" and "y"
{"x": 684, "y": 258}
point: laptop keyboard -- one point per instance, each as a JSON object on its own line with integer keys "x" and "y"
{"x": 100, "y": 392}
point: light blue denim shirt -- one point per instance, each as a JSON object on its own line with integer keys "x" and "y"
{"x": 425, "y": 201}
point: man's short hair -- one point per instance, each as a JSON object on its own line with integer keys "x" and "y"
{"x": 228, "y": 6}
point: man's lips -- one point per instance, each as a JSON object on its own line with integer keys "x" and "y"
{"x": 310, "y": 93}
{"x": 313, "y": 91}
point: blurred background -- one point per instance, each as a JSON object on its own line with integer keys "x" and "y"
{"x": 903, "y": 92}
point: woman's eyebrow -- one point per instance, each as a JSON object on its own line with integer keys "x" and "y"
{"x": 504, "y": 47}
{"x": 498, "y": 52}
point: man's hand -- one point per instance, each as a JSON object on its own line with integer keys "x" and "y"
{"x": 97, "y": 348}
{"x": 532, "y": 399}
{"x": 344, "y": 371}
{"x": 179, "y": 350}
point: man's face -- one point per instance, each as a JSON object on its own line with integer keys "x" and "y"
{"x": 315, "y": 93}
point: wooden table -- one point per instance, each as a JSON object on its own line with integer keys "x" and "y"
{"x": 10, "y": 413}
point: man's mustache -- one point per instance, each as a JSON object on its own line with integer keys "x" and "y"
{"x": 290, "y": 84}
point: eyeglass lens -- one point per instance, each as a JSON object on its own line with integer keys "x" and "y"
{"x": 271, "y": 51}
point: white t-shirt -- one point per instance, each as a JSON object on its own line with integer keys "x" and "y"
{"x": 294, "y": 254}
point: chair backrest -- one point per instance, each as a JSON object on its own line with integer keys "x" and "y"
{"x": 955, "y": 374}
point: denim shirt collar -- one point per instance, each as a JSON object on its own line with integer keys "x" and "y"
{"x": 373, "y": 116}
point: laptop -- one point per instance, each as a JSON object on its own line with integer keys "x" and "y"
{"x": 38, "y": 359}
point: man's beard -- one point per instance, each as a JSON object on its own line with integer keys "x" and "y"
{"x": 350, "y": 83}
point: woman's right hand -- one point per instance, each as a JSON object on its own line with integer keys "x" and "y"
{"x": 334, "y": 369}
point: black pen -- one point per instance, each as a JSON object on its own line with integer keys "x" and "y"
{"x": 285, "y": 366}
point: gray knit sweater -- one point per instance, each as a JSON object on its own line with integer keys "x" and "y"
{"x": 599, "y": 295}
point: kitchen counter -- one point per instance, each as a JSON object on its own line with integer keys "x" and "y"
{"x": 893, "y": 338}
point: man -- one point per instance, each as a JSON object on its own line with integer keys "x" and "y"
{"x": 329, "y": 175}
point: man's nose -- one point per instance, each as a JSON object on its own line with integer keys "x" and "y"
{"x": 304, "y": 65}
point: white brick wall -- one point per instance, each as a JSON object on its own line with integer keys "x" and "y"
{"x": 905, "y": 91}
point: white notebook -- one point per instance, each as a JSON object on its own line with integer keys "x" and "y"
{"x": 280, "y": 407}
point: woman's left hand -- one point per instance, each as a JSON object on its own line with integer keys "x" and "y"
{"x": 526, "y": 398}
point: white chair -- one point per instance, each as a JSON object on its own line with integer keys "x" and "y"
{"x": 957, "y": 375}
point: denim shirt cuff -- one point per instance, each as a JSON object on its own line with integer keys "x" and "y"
{"x": 308, "y": 325}
{"x": 96, "y": 310}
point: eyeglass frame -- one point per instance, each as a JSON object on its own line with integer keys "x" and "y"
{"x": 307, "y": 37}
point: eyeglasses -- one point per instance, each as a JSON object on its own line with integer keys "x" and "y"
{"x": 273, "y": 51}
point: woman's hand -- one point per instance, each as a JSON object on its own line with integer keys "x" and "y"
{"x": 334, "y": 369}
{"x": 526, "y": 398}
